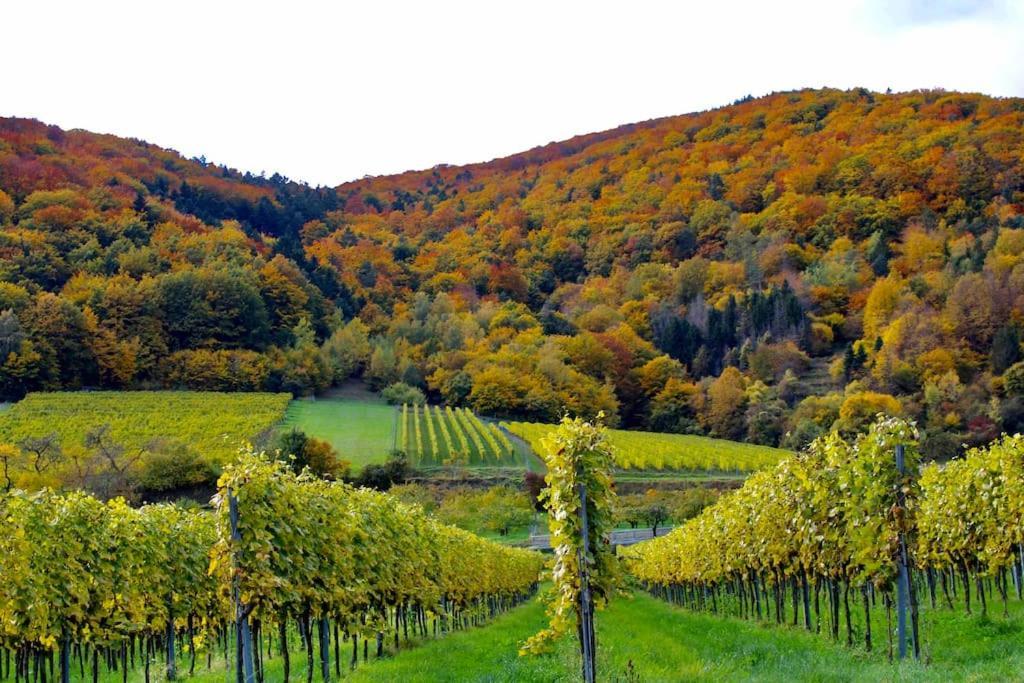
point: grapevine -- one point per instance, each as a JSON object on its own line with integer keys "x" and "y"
{"x": 418, "y": 431}
{"x": 579, "y": 460}
{"x": 830, "y": 519}
{"x": 93, "y": 580}
{"x": 652, "y": 450}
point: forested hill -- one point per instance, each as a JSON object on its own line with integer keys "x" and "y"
{"x": 764, "y": 271}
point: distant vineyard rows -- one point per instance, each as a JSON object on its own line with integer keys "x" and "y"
{"x": 432, "y": 435}
{"x": 651, "y": 450}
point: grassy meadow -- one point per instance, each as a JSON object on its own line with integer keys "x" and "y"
{"x": 361, "y": 430}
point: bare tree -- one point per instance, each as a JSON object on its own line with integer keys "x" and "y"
{"x": 43, "y": 451}
{"x": 112, "y": 464}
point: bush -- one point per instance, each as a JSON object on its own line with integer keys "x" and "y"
{"x": 801, "y": 435}
{"x": 417, "y": 494}
{"x": 860, "y": 409}
{"x": 168, "y": 466}
{"x": 301, "y": 451}
{"x": 400, "y": 392}
{"x": 769, "y": 362}
{"x": 941, "y": 446}
{"x": 656, "y": 507}
{"x": 382, "y": 477}
{"x": 499, "y": 509}
{"x": 219, "y": 370}
{"x": 534, "y": 483}
{"x": 1013, "y": 380}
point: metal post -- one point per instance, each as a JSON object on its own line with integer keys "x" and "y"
{"x": 65, "y": 657}
{"x": 325, "y": 649}
{"x": 586, "y": 603}
{"x": 903, "y": 581}
{"x": 243, "y": 635}
{"x": 172, "y": 664}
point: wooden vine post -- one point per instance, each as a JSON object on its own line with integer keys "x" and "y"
{"x": 579, "y": 498}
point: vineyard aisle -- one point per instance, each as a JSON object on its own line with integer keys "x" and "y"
{"x": 669, "y": 644}
{"x": 665, "y": 643}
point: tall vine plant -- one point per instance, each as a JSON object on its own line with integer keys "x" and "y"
{"x": 579, "y": 498}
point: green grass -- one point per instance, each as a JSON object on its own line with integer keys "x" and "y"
{"x": 362, "y": 431}
{"x": 215, "y": 424}
{"x": 665, "y": 643}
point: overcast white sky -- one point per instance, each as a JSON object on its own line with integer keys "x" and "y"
{"x": 328, "y": 92}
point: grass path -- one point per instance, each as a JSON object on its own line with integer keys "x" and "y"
{"x": 664, "y": 643}
{"x": 656, "y": 642}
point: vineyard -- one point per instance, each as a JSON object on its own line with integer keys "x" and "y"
{"x": 279, "y": 551}
{"x": 214, "y": 424}
{"x": 836, "y": 524}
{"x": 656, "y": 451}
{"x": 432, "y": 435}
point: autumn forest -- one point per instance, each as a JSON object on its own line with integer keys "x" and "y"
{"x": 766, "y": 272}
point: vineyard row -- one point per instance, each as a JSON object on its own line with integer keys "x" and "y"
{"x": 432, "y": 435}
{"x": 841, "y": 519}
{"x": 99, "y": 581}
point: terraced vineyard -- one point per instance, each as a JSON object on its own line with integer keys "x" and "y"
{"x": 657, "y": 451}
{"x": 433, "y": 435}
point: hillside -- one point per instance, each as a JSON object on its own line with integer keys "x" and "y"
{"x": 764, "y": 271}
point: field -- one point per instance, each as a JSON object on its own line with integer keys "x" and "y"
{"x": 216, "y": 425}
{"x": 654, "y": 451}
{"x": 361, "y": 430}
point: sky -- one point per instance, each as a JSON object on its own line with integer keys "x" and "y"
{"x": 326, "y": 92}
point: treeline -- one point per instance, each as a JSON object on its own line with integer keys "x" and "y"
{"x": 802, "y": 260}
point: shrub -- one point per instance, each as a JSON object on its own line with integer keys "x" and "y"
{"x": 382, "y": 477}
{"x": 1013, "y": 380}
{"x": 301, "y": 451}
{"x": 400, "y": 392}
{"x": 219, "y": 370}
{"x": 170, "y": 465}
{"x": 534, "y": 483}
{"x": 499, "y": 509}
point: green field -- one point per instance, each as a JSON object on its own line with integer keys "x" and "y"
{"x": 660, "y": 643}
{"x": 215, "y": 424}
{"x": 362, "y": 431}
{"x": 654, "y": 451}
